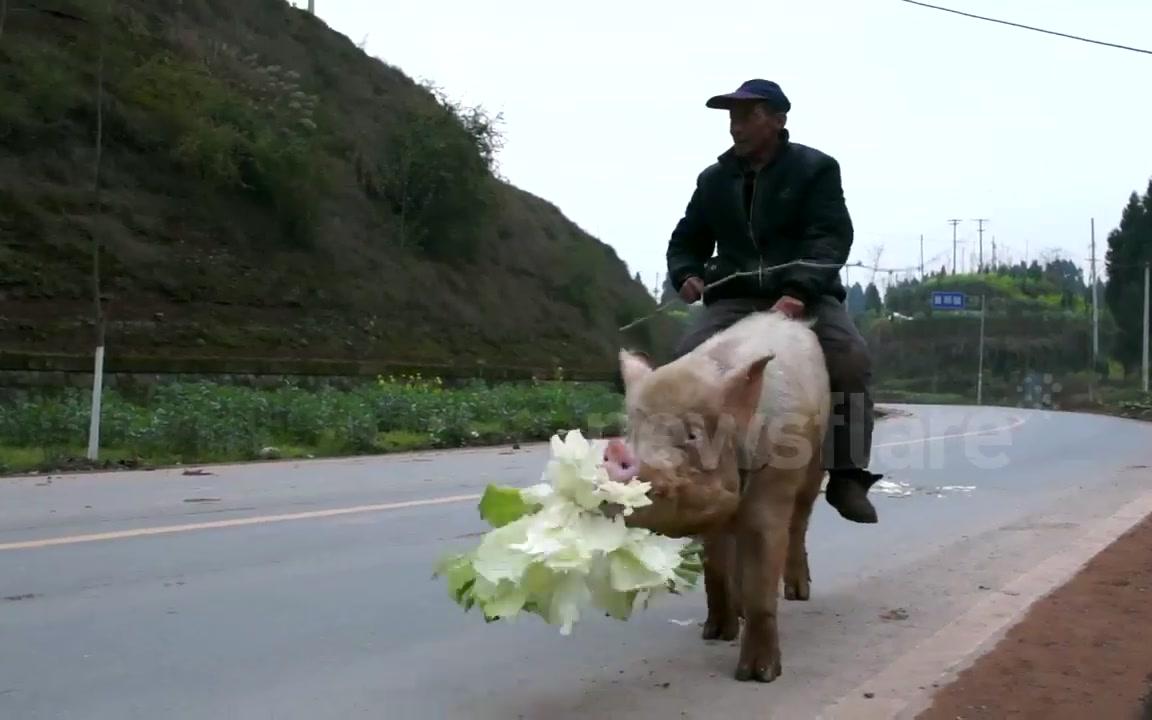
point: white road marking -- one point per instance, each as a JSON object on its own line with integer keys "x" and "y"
{"x": 334, "y": 512}
{"x": 238, "y": 522}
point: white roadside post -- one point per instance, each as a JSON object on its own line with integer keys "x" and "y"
{"x": 97, "y": 397}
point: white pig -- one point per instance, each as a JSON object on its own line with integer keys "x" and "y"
{"x": 730, "y": 437}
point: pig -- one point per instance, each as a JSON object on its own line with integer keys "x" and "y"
{"x": 730, "y": 437}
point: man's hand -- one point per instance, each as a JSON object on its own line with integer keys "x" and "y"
{"x": 790, "y": 306}
{"x": 692, "y": 290}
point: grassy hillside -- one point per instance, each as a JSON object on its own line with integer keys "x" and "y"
{"x": 270, "y": 190}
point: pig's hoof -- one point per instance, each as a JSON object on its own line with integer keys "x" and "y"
{"x": 727, "y": 629}
{"x": 797, "y": 589}
{"x": 760, "y": 671}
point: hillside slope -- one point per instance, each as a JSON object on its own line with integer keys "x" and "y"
{"x": 269, "y": 190}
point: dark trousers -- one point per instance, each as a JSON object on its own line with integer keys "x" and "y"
{"x": 848, "y": 443}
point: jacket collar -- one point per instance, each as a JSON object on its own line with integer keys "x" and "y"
{"x": 730, "y": 160}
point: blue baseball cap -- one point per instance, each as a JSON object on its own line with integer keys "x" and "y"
{"x": 763, "y": 90}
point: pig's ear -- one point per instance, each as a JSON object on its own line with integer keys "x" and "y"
{"x": 742, "y": 388}
{"x": 634, "y": 367}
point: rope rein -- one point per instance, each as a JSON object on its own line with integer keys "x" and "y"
{"x": 748, "y": 273}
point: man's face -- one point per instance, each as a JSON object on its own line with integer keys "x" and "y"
{"x": 754, "y": 127}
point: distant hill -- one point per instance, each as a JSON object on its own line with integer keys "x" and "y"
{"x": 269, "y": 190}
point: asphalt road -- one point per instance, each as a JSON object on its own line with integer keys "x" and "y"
{"x": 303, "y": 590}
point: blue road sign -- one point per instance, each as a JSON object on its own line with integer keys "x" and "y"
{"x": 949, "y": 300}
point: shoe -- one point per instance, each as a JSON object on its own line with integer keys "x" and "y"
{"x": 848, "y": 492}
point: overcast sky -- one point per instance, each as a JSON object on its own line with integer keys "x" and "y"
{"x": 932, "y": 116}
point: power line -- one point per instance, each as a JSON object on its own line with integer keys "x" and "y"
{"x": 1029, "y": 27}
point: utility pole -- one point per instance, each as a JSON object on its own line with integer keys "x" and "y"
{"x": 980, "y": 262}
{"x": 954, "y": 224}
{"x": 311, "y": 7}
{"x": 1095, "y": 337}
{"x": 1095, "y": 304}
{"x": 1145, "y": 326}
{"x": 921, "y": 258}
{"x": 980, "y": 370}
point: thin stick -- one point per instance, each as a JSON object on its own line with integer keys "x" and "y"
{"x": 749, "y": 273}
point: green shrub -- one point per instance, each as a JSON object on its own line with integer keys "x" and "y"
{"x": 436, "y": 175}
{"x": 252, "y": 132}
{"x": 197, "y": 422}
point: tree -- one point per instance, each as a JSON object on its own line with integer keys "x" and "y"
{"x": 1067, "y": 278}
{"x": 1035, "y": 272}
{"x": 872, "y": 301}
{"x": 668, "y": 294}
{"x": 438, "y": 175}
{"x": 855, "y": 300}
{"x": 1129, "y": 247}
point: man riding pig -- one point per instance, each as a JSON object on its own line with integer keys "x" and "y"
{"x": 694, "y": 429}
{"x": 768, "y": 201}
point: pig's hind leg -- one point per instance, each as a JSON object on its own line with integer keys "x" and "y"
{"x": 797, "y": 575}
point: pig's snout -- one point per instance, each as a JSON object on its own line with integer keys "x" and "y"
{"x": 619, "y": 461}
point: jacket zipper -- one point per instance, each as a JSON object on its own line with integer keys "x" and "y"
{"x": 752, "y": 234}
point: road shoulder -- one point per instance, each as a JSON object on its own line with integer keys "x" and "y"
{"x": 906, "y": 686}
{"x": 1083, "y": 651}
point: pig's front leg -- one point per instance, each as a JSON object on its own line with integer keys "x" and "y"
{"x": 720, "y": 567}
{"x": 762, "y": 536}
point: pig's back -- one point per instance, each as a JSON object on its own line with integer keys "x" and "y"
{"x": 796, "y": 380}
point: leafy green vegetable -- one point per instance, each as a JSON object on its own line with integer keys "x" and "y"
{"x": 553, "y": 552}
{"x": 501, "y": 505}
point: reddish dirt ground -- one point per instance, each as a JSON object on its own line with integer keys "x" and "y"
{"x": 1084, "y": 652}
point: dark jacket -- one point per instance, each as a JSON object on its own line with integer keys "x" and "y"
{"x": 797, "y": 212}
